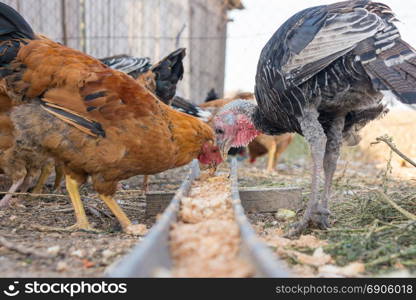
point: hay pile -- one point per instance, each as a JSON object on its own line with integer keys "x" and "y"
{"x": 373, "y": 232}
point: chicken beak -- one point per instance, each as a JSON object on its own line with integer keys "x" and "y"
{"x": 212, "y": 169}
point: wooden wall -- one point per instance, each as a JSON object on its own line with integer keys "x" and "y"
{"x": 150, "y": 28}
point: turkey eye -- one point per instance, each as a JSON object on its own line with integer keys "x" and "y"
{"x": 219, "y": 131}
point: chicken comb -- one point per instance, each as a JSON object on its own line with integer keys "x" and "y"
{"x": 82, "y": 123}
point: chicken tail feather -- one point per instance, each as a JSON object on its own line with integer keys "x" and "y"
{"x": 168, "y": 73}
{"x": 187, "y": 107}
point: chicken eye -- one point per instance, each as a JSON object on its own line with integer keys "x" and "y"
{"x": 219, "y": 131}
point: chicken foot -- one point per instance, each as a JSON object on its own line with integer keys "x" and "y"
{"x": 82, "y": 220}
{"x": 128, "y": 227}
{"x": 5, "y": 202}
{"x": 277, "y": 151}
{"x": 22, "y": 185}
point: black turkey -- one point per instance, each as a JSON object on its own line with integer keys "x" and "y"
{"x": 322, "y": 75}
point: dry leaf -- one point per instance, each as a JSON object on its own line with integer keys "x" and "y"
{"x": 319, "y": 257}
{"x": 309, "y": 241}
{"x": 303, "y": 271}
{"x": 278, "y": 241}
{"x": 87, "y": 264}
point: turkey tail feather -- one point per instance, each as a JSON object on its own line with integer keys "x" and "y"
{"x": 394, "y": 69}
{"x": 13, "y": 25}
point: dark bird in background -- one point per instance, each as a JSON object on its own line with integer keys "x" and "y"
{"x": 185, "y": 106}
{"x": 161, "y": 78}
{"x": 134, "y": 66}
{"x": 322, "y": 75}
{"x": 211, "y": 96}
{"x": 167, "y": 72}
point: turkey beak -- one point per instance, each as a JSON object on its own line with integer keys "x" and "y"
{"x": 224, "y": 146}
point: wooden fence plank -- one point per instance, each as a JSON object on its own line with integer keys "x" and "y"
{"x": 150, "y": 28}
{"x": 256, "y": 199}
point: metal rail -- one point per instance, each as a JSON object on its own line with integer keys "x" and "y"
{"x": 152, "y": 255}
{"x": 260, "y": 256}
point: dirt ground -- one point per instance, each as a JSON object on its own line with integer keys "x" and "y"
{"x": 368, "y": 236}
{"x": 76, "y": 254}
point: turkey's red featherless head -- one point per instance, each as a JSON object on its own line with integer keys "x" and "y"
{"x": 233, "y": 125}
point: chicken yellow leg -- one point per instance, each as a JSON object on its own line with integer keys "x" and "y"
{"x": 44, "y": 175}
{"x": 59, "y": 174}
{"x": 82, "y": 220}
{"x": 128, "y": 227}
{"x": 145, "y": 186}
{"x": 271, "y": 158}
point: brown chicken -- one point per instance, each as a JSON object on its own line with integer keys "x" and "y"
{"x": 7, "y": 163}
{"x": 273, "y": 146}
{"x": 160, "y": 78}
{"x": 97, "y": 122}
{"x": 18, "y": 163}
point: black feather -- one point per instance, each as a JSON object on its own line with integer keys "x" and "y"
{"x": 13, "y": 30}
{"x": 94, "y": 96}
{"x": 237, "y": 151}
{"x": 168, "y": 71}
{"x": 368, "y": 57}
{"x": 134, "y": 66}
{"x": 13, "y": 25}
{"x": 92, "y": 126}
{"x": 189, "y": 108}
{"x": 212, "y": 95}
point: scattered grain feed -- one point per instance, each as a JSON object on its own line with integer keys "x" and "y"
{"x": 205, "y": 242}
